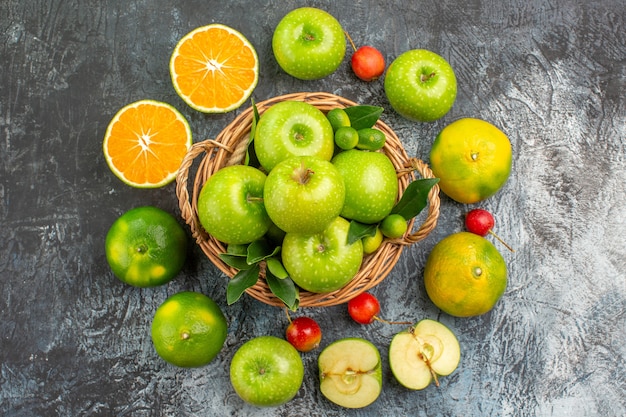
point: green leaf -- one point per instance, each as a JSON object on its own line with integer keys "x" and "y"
{"x": 259, "y": 250}
{"x": 360, "y": 230}
{"x": 414, "y": 198}
{"x": 236, "y": 261}
{"x": 284, "y": 289}
{"x": 241, "y": 282}
{"x": 362, "y": 117}
{"x": 276, "y": 267}
{"x": 251, "y": 158}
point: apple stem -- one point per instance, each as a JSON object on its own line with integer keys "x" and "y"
{"x": 501, "y": 241}
{"x": 287, "y": 314}
{"x": 426, "y": 77}
{"x": 391, "y": 322}
{"x": 350, "y": 40}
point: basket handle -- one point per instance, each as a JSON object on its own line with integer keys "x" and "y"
{"x": 182, "y": 179}
{"x": 414, "y": 164}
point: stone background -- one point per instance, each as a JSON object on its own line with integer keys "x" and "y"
{"x": 74, "y": 341}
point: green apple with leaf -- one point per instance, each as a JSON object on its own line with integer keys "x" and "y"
{"x": 309, "y": 43}
{"x": 325, "y": 261}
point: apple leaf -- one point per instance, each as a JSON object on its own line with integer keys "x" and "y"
{"x": 259, "y": 250}
{"x": 359, "y": 231}
{"x": 276, "y": 267}
{"x": 414, "y": 198}
{"x": 243, "y": 280}
{"x": 362, "y": 117}
{"x": 251, "y": 158}
{"x": 284, "y": 289}
{"x": 236, "y": 261}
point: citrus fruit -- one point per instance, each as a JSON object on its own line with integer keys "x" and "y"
{"x": 346, "y": 137}
{"x": 338, "y": 118}
{"x": 394, "y": 226}
{"x": 214, "y": 68}
{"x": 372, "y": 243}
{"x": 188, "y": 329}
{"x": 472, "y": 159}
{"x": 465, "y": 275}
{"x": 146, "y": 142}
{"x": 146, "y": 247}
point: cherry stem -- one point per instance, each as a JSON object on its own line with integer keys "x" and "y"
{"x": 501, "y": 241}
{"x": 391, "y": 322}
{"x": 350, "y": 40}
{"x": 288, "y": 316}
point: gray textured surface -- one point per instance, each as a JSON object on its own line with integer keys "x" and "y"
{"x": 552, "y": 74}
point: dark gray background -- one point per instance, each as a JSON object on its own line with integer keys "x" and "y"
{"x": 551, "y": 74}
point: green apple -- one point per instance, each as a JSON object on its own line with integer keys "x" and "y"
{"x": 322, "y": 262}
{"x": 266, "y": 371}
{"x": 420, "y": 85}
{"x": 292, "y": 128}
{"x": 419, "y": 355}
{"x": 371, "y": 185}
{"x": 350, "y": 372}
{"x": 309, "y": 43}
{"x": 230, "y": 205}
{"x": 303, "y": 194}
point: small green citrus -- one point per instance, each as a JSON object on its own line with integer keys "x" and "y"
{"x": 338, "y": 118}
{"x": 188, "y": 329}
{"x": 146, "y": 247}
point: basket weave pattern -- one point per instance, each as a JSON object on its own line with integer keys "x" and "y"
{"x": 229, "y": 148}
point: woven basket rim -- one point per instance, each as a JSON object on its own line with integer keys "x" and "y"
{"x": 229, "y": 148}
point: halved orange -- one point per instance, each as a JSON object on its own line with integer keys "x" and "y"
{"x": 145, "y": 143}
{"x": 214, "y": 68}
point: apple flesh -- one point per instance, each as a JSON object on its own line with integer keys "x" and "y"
{"x": 266, "y": 371}
{"x": 350, "y": 372}
{"x": 422, "y": 353}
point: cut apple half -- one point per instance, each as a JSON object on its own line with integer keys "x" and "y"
{"x": 350, "y": 372}
{"x": 420, "y": 354}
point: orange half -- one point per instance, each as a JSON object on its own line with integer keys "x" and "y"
{"x": 214, "y": 69}
{"x": 145, "y": 143}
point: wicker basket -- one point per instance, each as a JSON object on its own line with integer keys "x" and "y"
{"x": 229, "y": 148}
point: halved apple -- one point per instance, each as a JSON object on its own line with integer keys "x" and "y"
{"x": 351, "y": 372}
{"x": 420, "y": 354}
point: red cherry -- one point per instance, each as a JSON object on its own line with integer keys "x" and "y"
{"x": 304, "y": 334}
{"x": 481, "y": 222}
{"x": 363, "y": 308}
{"x": 368, "y": 63}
